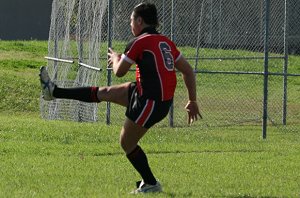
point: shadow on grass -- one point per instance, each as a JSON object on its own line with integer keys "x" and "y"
{"x": 185, "y": 152}
{"x": 247, "y": 196}
{"x": 190, "y": 194}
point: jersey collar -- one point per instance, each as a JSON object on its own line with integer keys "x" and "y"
{"x": 149, "y": 30}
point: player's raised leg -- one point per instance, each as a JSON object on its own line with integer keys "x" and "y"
{"x": 116, "y": 94}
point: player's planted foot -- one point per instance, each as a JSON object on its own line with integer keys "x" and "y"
{"x": 46, "y": 84}
{"x": 147, "y": 188}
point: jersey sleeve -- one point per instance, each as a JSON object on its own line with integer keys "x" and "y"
{"x": 133, "y": 51}
{"x": 176, "y": 52}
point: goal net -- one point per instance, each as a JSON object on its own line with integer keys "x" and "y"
{"x": 73, "y": 55}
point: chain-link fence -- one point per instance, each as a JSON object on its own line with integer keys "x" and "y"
{"x": 224, "y": 40}
{"x": 241, "y": 50}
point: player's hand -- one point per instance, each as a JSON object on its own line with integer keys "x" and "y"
{"x": 113, "y": 57}
{"x": 193, "y": 111}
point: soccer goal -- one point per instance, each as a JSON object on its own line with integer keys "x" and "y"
{"x": 74, "y": 49}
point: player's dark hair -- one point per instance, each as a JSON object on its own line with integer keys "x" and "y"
{"x": 148, "y": 13}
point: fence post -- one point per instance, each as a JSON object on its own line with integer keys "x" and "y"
{"x": 171, "y": 112}
{"x": 199, "y": 36}
{"x": 163, "y": 17}
{"x": 285, "y": 64}
{"x": 266, "y": 67}
{"x": 109, "y": 44}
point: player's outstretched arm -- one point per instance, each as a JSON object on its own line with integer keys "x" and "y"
{"x": 190, "y": 82}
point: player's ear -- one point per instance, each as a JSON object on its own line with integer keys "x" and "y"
{"x": 139, "y": 20}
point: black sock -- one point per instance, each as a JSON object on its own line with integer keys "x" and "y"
{"x": 84, "y": 94}
{"x": 139, "y": 160}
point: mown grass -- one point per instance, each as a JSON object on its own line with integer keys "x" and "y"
{"x": 42, "y": 158}
{"x": 67, "y": 159}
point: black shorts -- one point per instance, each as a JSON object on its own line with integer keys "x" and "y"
{"x": 144, "y": 111}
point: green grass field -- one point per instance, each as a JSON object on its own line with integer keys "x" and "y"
{"x": 42, "y": 158}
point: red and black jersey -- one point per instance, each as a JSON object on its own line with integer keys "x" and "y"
{"x": 155, "y": 56}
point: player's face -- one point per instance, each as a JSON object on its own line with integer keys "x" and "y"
{"x": 135, "y": 25}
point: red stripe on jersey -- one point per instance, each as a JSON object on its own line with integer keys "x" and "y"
{"x": 144, "y": 116}
{"x": 138, "y": 80}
